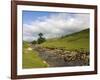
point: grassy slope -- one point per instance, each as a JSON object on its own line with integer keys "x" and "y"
{"x": 31, "y": 58}
{"x": 78, "y": 40}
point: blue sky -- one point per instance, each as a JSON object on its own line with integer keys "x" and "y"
{"x": 52, "y": 24}
{"x": 29, "y": 16}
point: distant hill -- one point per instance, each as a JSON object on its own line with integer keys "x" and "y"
{"x": 78, "y": 40}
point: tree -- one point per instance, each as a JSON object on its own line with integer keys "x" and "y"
{"x": 40, "y": 35}
{"x": 41, "y": 39}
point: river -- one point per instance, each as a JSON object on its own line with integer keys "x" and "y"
{"x": 56, "y": 60}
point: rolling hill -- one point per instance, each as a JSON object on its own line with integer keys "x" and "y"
{"x": 78, "y": 40}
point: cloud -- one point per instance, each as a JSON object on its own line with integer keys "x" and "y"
{"x": 55, "y": 25}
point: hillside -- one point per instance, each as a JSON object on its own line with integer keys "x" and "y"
{"x": 78, "y": 40}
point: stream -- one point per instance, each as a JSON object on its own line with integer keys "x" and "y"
{"x": 56, "y": 60}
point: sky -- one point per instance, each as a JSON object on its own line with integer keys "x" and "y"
{"x": 52, "y": 24}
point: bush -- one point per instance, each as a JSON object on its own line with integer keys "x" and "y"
{"x": 34, "y": 42}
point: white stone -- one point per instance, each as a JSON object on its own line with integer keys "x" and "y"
{"x": 29, "y": 49}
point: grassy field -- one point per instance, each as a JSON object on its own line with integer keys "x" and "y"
{"x": 30, "y": 58}
{"x": 78, "y": 40}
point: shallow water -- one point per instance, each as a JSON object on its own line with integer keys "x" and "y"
{"x": 54, "y": 60}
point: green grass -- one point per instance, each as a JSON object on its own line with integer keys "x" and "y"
{"x": 78, "y": 40}
{"x": 25, "y": 44}
{"x": 31, "y": 59}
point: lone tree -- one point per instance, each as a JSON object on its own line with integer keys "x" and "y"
{"x": 40, "y": 35}
{"x": 41, "y": 39}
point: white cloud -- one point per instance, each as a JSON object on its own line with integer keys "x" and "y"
{"x": 55, "y": 25}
